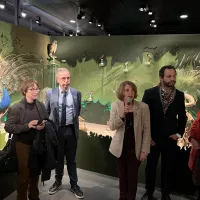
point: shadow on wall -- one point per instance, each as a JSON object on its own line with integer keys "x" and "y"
{"x": 93, "y": 155}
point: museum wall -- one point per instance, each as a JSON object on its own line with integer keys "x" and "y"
{"x": 99, "y": 64}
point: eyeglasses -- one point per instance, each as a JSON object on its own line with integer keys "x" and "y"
{"x": 34, "y": 90}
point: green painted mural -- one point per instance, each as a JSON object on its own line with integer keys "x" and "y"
{"x": 22, "y": 56}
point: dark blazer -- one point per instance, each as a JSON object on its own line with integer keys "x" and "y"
{"x": 174, "y": 121}
{"x": 16, "y": 114}
{"x": 52, "y": 106}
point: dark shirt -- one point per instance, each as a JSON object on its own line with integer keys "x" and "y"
{"x": 31, "y": 113}
{"x": 129, "y": 137}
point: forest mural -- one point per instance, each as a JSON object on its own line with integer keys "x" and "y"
{"x": 99, "y": 65}
{"x": 22, "y": 56}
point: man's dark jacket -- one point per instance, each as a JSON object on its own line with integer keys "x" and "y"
{"x": 164, "y": 125}
{"x": 44, "y": 150}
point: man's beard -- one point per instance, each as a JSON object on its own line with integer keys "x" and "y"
{"x": 169, "y": 84}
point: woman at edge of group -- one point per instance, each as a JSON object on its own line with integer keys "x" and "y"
{"x": 194, "y": 159}
{"x": 132, "y": 139}
{"x": 22, "y": 119}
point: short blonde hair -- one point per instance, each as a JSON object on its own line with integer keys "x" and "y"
{"x": 27, "y": 84}
{"x": 120, "y": 90}
{"x": 61, "y": 70}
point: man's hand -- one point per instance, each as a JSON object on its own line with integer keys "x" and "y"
{"x": 153, "y": 143}
{"x": 143, "y": 156}
{"x": 174, "y": 137}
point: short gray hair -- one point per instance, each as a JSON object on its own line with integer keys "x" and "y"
{"x": 61, "y": 70}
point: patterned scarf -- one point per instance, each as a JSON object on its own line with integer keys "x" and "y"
{"x": 167, "y": 97}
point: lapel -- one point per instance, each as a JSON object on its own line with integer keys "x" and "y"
{"x": 40, "y": 110}
{"x": 22, "y": 111}
{"x": 55, "y": 98}
{"x": 159, "y": 102}
{"x": 74, "y": 96}
{"x": 135, "y": 116}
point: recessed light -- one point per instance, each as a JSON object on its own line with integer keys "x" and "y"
{"x": 184, "y": 16}
{"x": 72, "y": 21}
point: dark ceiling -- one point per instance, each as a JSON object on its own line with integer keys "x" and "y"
{"x": 119, "y": 17}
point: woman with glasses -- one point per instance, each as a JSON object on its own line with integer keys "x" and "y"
{"x": 131, "y": 141}
{"x": 23, "y": 118}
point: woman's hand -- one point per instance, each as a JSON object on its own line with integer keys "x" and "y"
{"x": 143, "y": 156}
{"x": 195, "y": 144}
{"x": 33, "y": 124}
{"x": 41, "y": 126}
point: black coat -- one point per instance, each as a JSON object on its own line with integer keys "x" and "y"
{"x": 174, "y": 121}
{"x": 44, "y": 151}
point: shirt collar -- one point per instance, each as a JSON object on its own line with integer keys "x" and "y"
{"x": 67, "y": 91}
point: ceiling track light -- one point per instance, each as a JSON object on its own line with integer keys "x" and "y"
{"x": 38, "y": 20}
{"x": 71, "y": 33}
{"x": 150, "y": 12}
{"x": 23, "y": 14}
{"x": 81, "y": 14}
{"x": 144, "y": 8}
{"x": 2, "y": 5}
{"x": 153, "y": 25}
{"x": 91, "y": 20}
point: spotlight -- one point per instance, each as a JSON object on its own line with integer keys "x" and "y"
{"x": 184, "y": 16}
{"x": 23, "y": 14}
{"x": 143, "y": 8}
{"x": 108, "y": 34}
{"x": 99, "y": 25}
{"x": 150, "y": 12}
{"x": 91, "y": 20}
{"x": 78, "y": 31}
{"x": 153, "y": 21}
{"x": 153, "y": 25}
{"x": 70, "y": 33}
{"x": 38, "y": 20}
{"x": 2, "y": 5}
{"x": 81, "y": 15}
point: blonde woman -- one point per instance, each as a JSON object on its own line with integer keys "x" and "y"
{"x": 131, "y": 142}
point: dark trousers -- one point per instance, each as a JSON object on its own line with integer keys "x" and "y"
{"x": 27, "y": 179}
{"x": 168, "y": 151}
{"x": 67, "y": 145}
{"x": 128, "y": 166}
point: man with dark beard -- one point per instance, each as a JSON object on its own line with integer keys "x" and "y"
{"x": 168, "y": 120}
